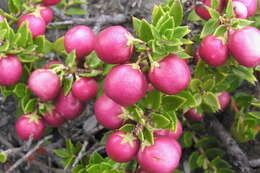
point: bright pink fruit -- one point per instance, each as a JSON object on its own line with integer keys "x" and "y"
{"x": 85, "y": 88}
{"x": 36, "y": 24}
{"x": 48, "y": 65}
{"x": 50, "y": 2}
{"x": 170, "y": 133}
{"x": 28, "y": 125}
{"x": 46, "y": 13}
{"x": 44, "y": 84}
{"x": 224, "y": 99}
{"x": 112, "y": 45}
{"x": 213, "y": 51}
{"x": 171, "y": 76}
{"x": 10, "y": 70}
{"x": 125, "y": 84}
{"x": 240, "y": 10}
{"x": 107, "y": 112}
{"x": 251, "y": 6}
{"x": 1, "y": 18}
{"x": 203, "y": 12}
{"x": 54, "y": 119}
{"x": 121, "y": 147}
{"x": 243, "y": 45}
{"x": 163, "y": 156}
{"x": 68, "y": 106}
{"x": 81, "y": 39}
{"x": 193, "y": 116}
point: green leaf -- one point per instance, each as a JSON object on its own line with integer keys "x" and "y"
{"x": 207, "y": 142}
{"x": 168, "y": 24}
{"x": 96, "y": 158}
{"x": 181, "y": 31}
{"x": 214, "y": 4}
{"x": 195, "y": 84}
{"x": 145, "y": 31}
{"x": 229, "y": 10}
{"x": 17, "y": 4}
{"x": 3, "y": 157}
{"x": 148, "y": 136}
{"x": 30, "y": 106}
{"x": 68, "y": 162}
{"x": 186, "y": 139}
{"x": 172, "y": 103}
{"x": 208, "y": 85}
{"x": 127, "y": 128}
{"x": 67, "y": 84}
{"x": 190, "y": 100}
{"x": 137, "y": 25}
{"x": 193, "y": 160}
{"x": 70, "y": 60}
{"x": 12, "y": 8}
{"x": 62, "y": 153}
{"x": 24, "y": 31}
{"x": 93, "y": 61}
{"x": 20, "y": 90}
{"x": 58, "y": 45}
{"x": 153, "y": 99}
{"x": 176, "y": 11}
{"x": 75, "y": 11}
{"x": 160, "y": 120}
{"x": 40, "y": 42}
{"x": 209, "y": 28}
{"x": 201, "y": 160}
{"x": 70, "y": 147}
{"x": 157, "y": 14}
{"x": 243, "y": 100}
{"x": 219, "y": 163}
{"x": 212, "y": 153}
{"x": 213, "y": 13}
{"x": 93, "y": 73}
{"x": 211, "y": 100}
{"x": 245, "y": 73}
{"x": 220, "y": 31}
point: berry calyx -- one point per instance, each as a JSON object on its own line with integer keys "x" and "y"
{"x": 107, "y": 112}
{"x": 171, "y": 76}
{"x": 10, "y": 70}
{"x": 112, "y": 45}
{"x": 122, "y": 147}
{"x": 125, "y": 84}
{"x": 44, "y": 84}
{"x": 28, "y": 125}
{"x": 85, "y": 88}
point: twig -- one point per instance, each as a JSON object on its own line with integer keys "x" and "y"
{"x": 81, "y": 154}
{"x": 21, "y": 160}
{"x": 237, "y": 156}
{"x": 255, "y": 163}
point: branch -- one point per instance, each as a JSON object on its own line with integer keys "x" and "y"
{"x": 238, "y": 157}
{"x": 81, "y": 154}
{"x": 255, "y": 163}
{"x": 21, "y": 160}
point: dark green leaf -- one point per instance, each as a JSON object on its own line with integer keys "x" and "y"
{"x": 62, "y": 153}
{"x": 145, "y": 31}
{"x": 193, "y": 160}
{"x": 160, "y": 120}
{"x": 209, "y": 28}
{"x": 96, "y": 158}
{"x": 174, "y": 102}
{"x": 176, "y": 11}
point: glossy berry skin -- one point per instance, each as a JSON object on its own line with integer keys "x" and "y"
{"x": 240, "y": 10}
{"x": 172, "y": 76}
{"x": 243, "y": 45}
{"x": 68, "y": 106}
{"x": 224, "y": 99}
{"x": 119, "y": 150}
{"x": 48, "y": 65}
{"x": 81, "y": 39}
{"x": 213, "y": 51}
{"x": 10, "y": 70}
{"x": 163, "y": 156}
{"x": 36, "y": 24}
{"x": 125, "y": 84}
{"x": 107, "y": 111}
{"x": 193, "y": 116}
{"x": 251, "y": 6}
{"x": 85, "y": 88}
{"x": 170, "y": 133}
{"x": 25, "y": 127}
{"x": 46, "y": 13}
{"x": 53, "y": 119}
{"x": 50, "y": 2}
{"x": 203, "y": 12}
{"x": 44, "y": 84}
{"x": 112, "y": 45}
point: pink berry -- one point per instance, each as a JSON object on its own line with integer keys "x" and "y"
{"x": 193, "y": 116}
{"x": 163, "y": 156}
{"x": 85, "y": 88}
{"x": 48, "y": 65}
{"x": 240, "y": 10}
{"x": 171, "y": 76}
{"x": 1, "y": 18}
{"x": 44, "y": 84}
{"x": 46, "y": 13}
{"x": 53, "y": 119}
{"x": 125, "y": 84}
{"x": 10, "y": 70}
{"x": 107, "y": 112}
{"x": 122, "y": 147}
{"x": 68, "y": 106}
{"x": 213, "y": 51}
{"x": 50, "y": 2}
{"x": 112, "y": 45}
{"x": 243, "y": 45}
{"x": 203, "y": 12}
{"x": 81, "y": 39}
{"x": 170, "y": 133}
{"x": 28, "y": 125}
{"x": 250, "y": 4}
{"x": 224, "y": 99}
{"x": 36, "y": 24}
